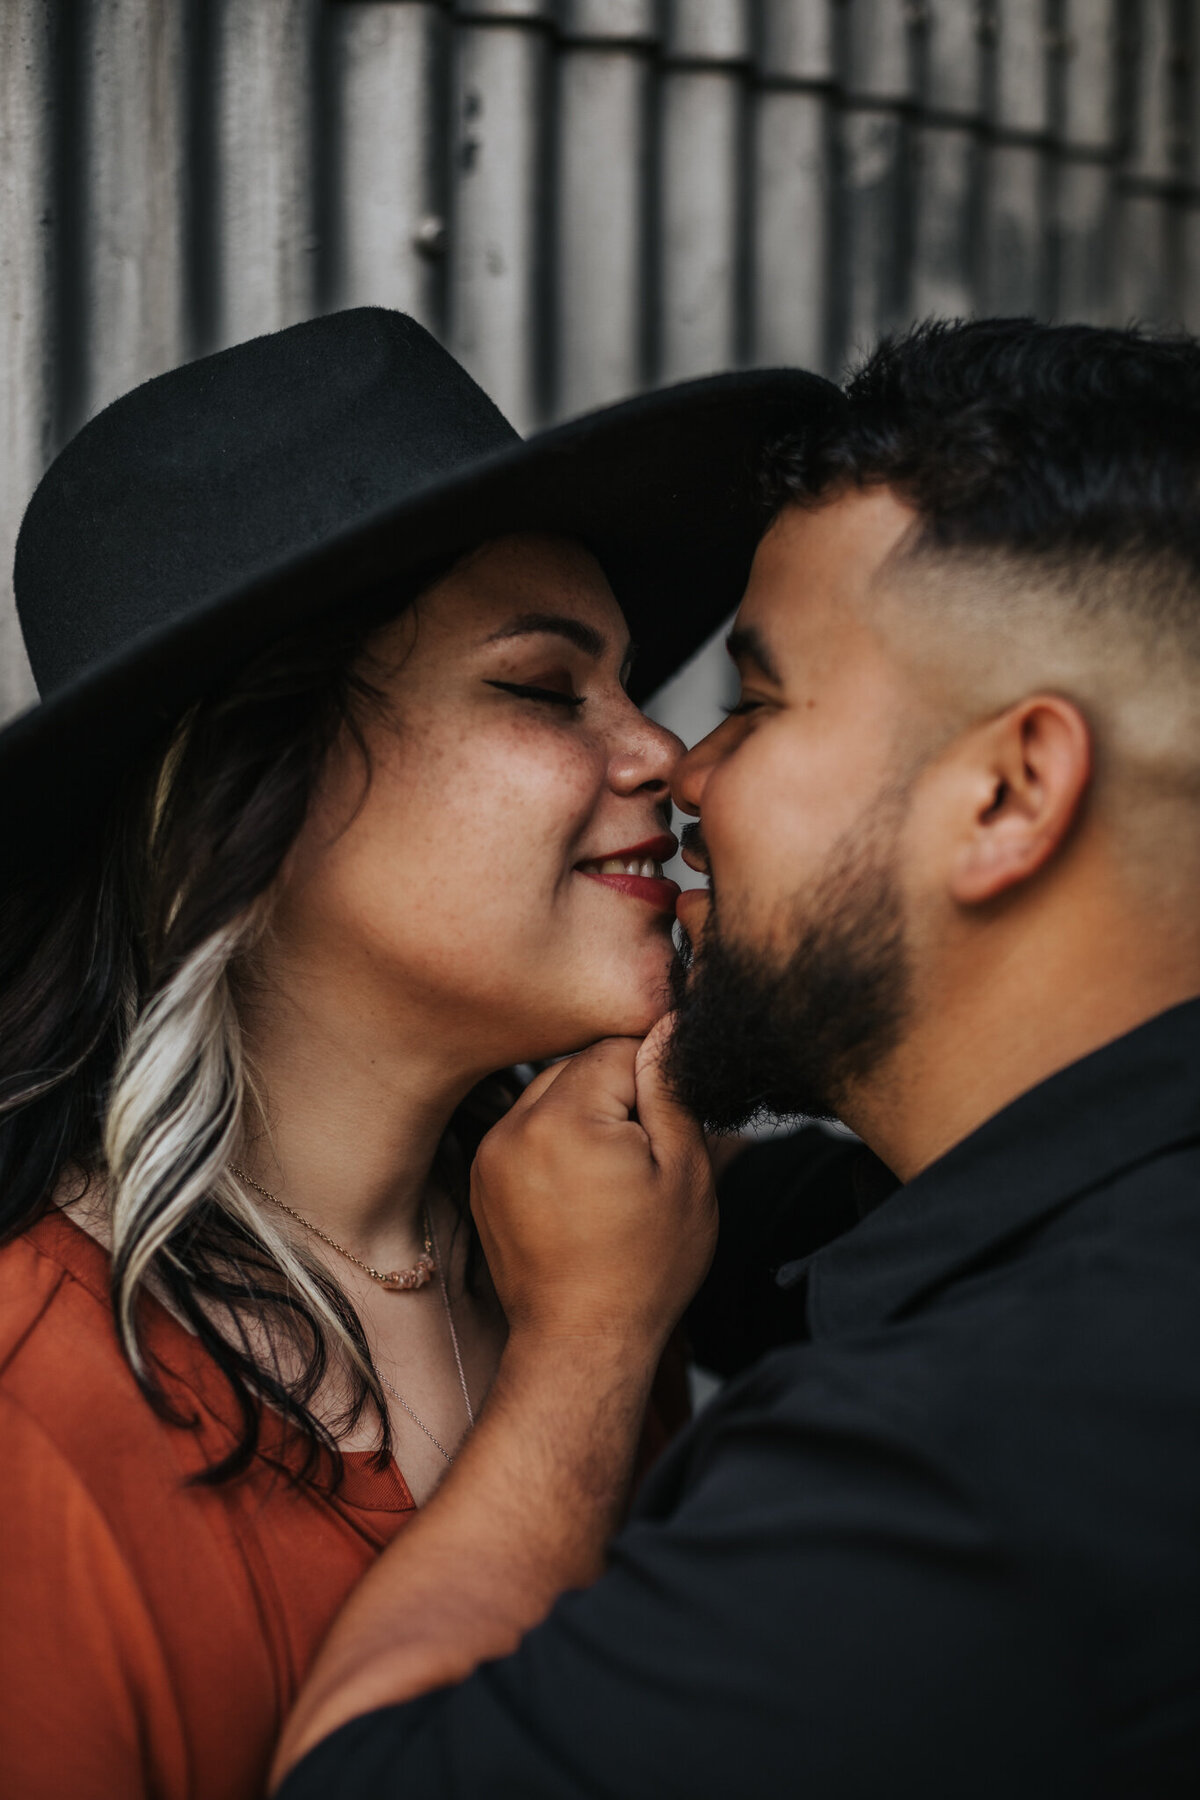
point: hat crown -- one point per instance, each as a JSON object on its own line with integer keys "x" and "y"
{"x": 230, "y": 466}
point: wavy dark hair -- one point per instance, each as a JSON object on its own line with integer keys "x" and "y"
{"x": 120, "y": 1048}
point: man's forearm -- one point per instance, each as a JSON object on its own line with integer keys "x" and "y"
{"x": 523, "y": 1516}
{"x": 593, "y": 1275}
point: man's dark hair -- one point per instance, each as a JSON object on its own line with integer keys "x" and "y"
{"x": 1009, "y": 434}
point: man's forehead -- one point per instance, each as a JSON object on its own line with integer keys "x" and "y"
{"x": 832, "y": 552}
{"x": 842, "y": 541}
{"x": 812, "y": 573}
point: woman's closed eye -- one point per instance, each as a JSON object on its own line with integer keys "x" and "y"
{"x": 742, "y": 708}
{"x": 525, "y": 690}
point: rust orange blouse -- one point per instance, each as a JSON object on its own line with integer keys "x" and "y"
{"x": 152, "y": 1634}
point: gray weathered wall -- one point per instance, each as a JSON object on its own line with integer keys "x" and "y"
{"x": 582, "y": 197}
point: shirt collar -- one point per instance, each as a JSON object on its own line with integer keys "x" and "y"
{"x": 1115, "y": 1108}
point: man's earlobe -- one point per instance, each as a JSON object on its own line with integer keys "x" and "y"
{"x": 1034, "y": 763}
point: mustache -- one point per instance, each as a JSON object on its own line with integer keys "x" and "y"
{"x": 692, "y": 838}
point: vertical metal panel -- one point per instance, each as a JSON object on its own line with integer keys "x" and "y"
{"x": 793, "y": 185}
{"x": 1089, "y": 96}
{"x": 875, "y": 167}
{"x": 1083, "y": 188}
{"x": 707, "y": 44}
{"x": 947, "y": 157}
{"x": 498, "y": 196}
{"x": 1015, "y": 263}
{"x": 386, "y": 224}
{"x": 264, "y": 210}
{"x": 703, "y": 96}
{"x": 1189, "y": 221}
{"x": 602, "y": 161}
{"x": 1022, "y": 91}
{"x": 26, "y": 273}
{"x": 133, "y": 208}
{"x": 1143, "y": 252}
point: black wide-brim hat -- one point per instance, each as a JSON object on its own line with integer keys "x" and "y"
{"x": 219, "y": 506}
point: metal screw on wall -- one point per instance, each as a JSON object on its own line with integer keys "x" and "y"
{"x": 429, "y": 238}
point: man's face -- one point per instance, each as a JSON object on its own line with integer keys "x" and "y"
{"x": 799, "y": 983}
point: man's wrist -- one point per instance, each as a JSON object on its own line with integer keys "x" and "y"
{"x": 543, "y": 1359}
{"x": 580, "y": 1398}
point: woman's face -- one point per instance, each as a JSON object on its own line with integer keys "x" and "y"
{"x": 464, "y": 892}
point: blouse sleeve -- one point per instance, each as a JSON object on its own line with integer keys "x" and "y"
{"x": 81, "y": 1672}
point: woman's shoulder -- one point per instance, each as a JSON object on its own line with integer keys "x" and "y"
{"x": 158, "y": 1631}
{"x": 90, "y": 1442}
{"x": 53, "y": 1298}
{"x": 60, "y": 1361}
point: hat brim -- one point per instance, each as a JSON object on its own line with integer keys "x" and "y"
{"x": 661, "y": 488}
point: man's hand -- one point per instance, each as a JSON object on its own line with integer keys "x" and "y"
{"x": 594, "y": 1200}
{"x": 595, "y": 1204}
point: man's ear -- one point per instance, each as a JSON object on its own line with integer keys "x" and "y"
{"x": 1031, "y": 768}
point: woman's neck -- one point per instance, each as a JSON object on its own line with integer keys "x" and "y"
{"x": 355, "y": 1113}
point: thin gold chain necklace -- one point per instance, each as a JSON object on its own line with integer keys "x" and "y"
{"x": 428, "y": 1263}
{"x": 395, "y": 1280}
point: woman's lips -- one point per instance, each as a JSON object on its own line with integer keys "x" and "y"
{"x": 644, "y": 880}
{"x": 657, "y": 891}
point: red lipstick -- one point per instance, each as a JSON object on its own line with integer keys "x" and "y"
{"x": 654, "y": 889}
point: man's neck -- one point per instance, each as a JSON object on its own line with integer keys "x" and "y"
{"x": 1001, "y": 1024}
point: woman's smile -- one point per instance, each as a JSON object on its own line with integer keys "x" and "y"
{"x": 637, "y": 871}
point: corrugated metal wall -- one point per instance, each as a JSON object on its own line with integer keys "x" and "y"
{"x": 581, "y": 197}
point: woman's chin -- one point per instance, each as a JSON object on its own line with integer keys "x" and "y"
{"x": 609, "y": 1001}
{"x": 629, "y": 1018}
{"x": 632, "y": 1019}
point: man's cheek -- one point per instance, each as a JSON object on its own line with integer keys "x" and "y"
{"x": 743, "y": 906}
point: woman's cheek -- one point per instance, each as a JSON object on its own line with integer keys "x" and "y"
{"x": 544, "y": 784}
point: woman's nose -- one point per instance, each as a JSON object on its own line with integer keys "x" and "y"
{"x": 648, "y": 761}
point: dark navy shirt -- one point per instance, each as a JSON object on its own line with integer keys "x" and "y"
{"x": 945, "y": 1542}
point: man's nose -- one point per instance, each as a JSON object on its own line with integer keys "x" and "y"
{"x": 691, "y": 774}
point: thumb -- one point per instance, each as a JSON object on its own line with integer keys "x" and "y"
{"x": 598, "y": 1082}
{"x": 533, "y": 1090}
{"x": 666, "y": 1122}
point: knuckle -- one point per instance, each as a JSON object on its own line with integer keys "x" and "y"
{"x": 488, "y": 1158}
{"x": 540, "y": 1134}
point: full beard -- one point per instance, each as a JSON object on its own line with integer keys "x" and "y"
{"x": 763, "y": 1036}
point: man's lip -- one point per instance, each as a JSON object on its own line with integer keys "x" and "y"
{"x": 695, "y": 859}
{"x": 659, "y": 893}
{"x": 689, "y": 899}
{"x": 659, "y": 849}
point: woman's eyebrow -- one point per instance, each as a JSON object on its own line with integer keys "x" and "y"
{"x": 584, "y": 637}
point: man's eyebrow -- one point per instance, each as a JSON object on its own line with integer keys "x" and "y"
{"x": 584, "y": 637}
{"x": 745, "y": 644}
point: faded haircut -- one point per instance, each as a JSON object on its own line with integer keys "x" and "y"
{"x": 1055, "y": 472}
